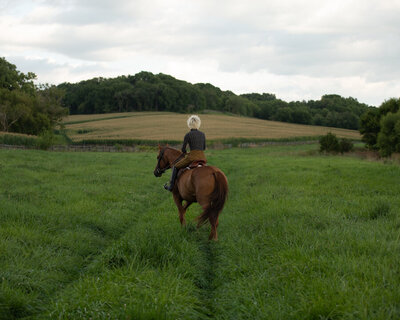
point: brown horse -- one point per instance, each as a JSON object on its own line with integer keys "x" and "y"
{"x": 206, "y": 185}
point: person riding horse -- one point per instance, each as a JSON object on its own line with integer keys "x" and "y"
{"x": 197, "y": 144}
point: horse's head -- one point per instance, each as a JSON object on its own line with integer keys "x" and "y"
{"x": 162, "y": 163}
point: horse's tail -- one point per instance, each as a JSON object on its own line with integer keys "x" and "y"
{"x": 217, "y": 199}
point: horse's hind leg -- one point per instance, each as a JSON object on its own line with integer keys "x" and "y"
{"x": 181, "y": 209}
{"x": 187, "y": 204}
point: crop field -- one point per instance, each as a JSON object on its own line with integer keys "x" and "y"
{"x": 161, "y": 126}
{"x": 302, "y": 236}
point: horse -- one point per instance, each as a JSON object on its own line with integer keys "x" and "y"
{"x": 206, "y": 185}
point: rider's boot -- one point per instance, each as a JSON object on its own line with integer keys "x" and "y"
{"x": 173, "y": 178}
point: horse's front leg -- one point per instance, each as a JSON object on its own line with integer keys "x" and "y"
{"x": 182, "y": 209}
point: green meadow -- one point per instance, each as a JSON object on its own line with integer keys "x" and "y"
{"x": 302, "y": 236}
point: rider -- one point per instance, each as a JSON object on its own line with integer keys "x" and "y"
{"x": 197, "y": 143}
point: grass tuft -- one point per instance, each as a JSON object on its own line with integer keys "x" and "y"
{"x": 381, "y": 209}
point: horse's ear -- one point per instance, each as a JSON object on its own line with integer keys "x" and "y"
{"x": 159, "y": 147}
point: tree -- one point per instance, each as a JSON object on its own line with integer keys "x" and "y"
{"x": 348, "y": 120}
{"x": 318, "y": 120}
{"x": 49, "y": 102}
{"x": 301, "y": 115}
{"x": 24, "y": 107}
{"x": 16, "y": 93}
{"x": 265, "y": 111}
{"x": 13, "y": 106}
{"x": 11, "y": 79}
{"x": 371, "y": 123}
{"x": 283, "y": 114}
{"x": 392, "y": 105}
{"x": 389, "y": 135}
{"x": 239, "y": 105}
{"x": 259, "y": 97}
{"x": 370, "y": 127}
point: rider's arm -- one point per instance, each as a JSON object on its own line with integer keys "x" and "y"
{"x": 185, "y": 142}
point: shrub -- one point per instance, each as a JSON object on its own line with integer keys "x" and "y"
{"x": 46, "y": 140}
{"x": 329, "y": 143}
{"x": 345, "y": 145}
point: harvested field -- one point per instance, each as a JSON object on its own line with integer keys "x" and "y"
{"x": 172, "y": 126}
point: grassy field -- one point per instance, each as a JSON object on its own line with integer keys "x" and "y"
{"x": 303, "y": 236}
{"x": 172, "y": 126}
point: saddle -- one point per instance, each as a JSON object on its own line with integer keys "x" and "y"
{"x": 195, "y": 164}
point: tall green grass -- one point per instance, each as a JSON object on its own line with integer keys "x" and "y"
{"x": 20, "y": 140}
{"x": 43, "y": 141}
{"x": 309, "y": 238}
{"x": 303, "y": 236}
{"x": 126, "y": 142}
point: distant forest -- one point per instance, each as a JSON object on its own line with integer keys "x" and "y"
{"x": 148, "y": 92}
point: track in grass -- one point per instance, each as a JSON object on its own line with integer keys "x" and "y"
{"x": 205, "y": 283}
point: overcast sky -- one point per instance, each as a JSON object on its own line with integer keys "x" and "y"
{"x": 298, "y": 50}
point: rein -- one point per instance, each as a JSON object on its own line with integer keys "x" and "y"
{"x": 178, "y": 159}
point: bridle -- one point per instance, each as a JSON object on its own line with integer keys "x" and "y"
{"x": 159, "y": 171}
{"x": 160, "y": 156}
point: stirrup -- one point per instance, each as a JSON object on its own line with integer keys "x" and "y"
{"x": 167, "y": 187}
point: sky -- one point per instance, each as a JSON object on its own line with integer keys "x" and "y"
{"x": 297, "y": 50}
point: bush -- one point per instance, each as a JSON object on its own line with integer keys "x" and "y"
{"x": 46, "y": 140}
{"x": 330, "y": 143}
{"x": 345, "y": 145}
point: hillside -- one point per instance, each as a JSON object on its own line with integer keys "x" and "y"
{"x": 172, "y": 126}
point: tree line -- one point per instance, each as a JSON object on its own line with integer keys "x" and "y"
{"x": 26, "y": 107}
{"x": 149, "y": 92}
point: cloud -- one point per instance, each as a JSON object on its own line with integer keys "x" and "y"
{"x": 342, "y": 46}
{"x": 49, "y": 70}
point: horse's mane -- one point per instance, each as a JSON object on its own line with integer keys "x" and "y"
{"x": 171, "y": 148}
